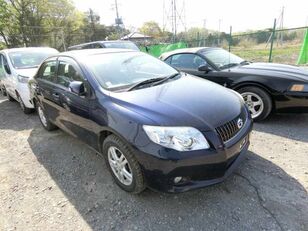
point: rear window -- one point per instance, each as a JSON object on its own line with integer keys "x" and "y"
{"x": 121, "y": 45}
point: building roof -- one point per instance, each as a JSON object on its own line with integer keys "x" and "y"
{"x": 135, "y": 35}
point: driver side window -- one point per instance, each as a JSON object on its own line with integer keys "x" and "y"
{"x": 187, "y": 61}
{"x": 68, "y": 73}
{"x": 5, "y": 66}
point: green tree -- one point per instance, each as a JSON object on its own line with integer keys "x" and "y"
{"x": 151, "y": 28}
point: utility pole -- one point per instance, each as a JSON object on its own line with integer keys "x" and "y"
{"x": 173, "y": 18}
{"x": 174, "y": 15}
{"x": 118, "y": 19}
{"x": 204, "y": 23}
{"x": 219, "y": 25}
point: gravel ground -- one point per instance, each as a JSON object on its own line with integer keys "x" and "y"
{"x": 51, "y": 181}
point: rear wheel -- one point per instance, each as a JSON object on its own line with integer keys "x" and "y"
{"x": 258, "y": 102}
{"x": 44, "y": 120}
{"x": 123, "y": 165}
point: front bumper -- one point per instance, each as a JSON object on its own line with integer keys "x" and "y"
{"x": 24, "y": 92}
{"x": 197, "y": 168}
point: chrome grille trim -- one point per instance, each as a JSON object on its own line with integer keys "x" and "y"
{"x": 228, "y": 130}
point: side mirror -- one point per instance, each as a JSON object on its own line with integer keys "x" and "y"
{"x": 205, "y": 67}
{"x": 78, "y": 88}
{"x": 7, "y": 68}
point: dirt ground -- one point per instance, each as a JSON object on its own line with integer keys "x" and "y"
{"x": 51, "y": 181}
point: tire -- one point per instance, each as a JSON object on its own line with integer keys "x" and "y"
{"x": 257, "y": 95}
{"x": 25, "y": 109}
{"x": 3, "y": 91}
{"x": 137, "y": 184}
{"x": 45, "y": 122}
{"x": 10, "y": 98}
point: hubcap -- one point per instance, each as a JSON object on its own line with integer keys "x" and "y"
{"x": 254, "y": 103}
{"x": 120, "y": 166}
{"x": 42, "y": 116}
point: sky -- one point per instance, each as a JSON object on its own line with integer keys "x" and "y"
{"x": 243, "y": 15}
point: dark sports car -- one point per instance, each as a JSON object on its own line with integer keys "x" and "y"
{"x": 265, "y": 87}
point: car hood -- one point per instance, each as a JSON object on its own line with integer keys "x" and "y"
{"x": 187, "y": 101}
{"x": 28, "y": 72}
{"x": 273, "y": 70}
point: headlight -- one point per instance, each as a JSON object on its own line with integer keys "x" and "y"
{"x": 178, "y": 138}
{"x": 22, "y": 79}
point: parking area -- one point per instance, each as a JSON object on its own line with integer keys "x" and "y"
{"x": 52, "y": 180}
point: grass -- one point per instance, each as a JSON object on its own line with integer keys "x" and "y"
{"x": 285, "y": 53}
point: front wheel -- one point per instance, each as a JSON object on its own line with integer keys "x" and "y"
{"x": 23, "y": 107}
{"x": 44, "y": 120}
{"x": 123, "y": 165}
{"x": 258, "y": 102}
{"x": 10, "y": 98}
{"x": 3, "y": 90}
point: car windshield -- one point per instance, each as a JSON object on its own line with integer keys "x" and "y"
{"x": 222, "y": 58}
{"x": 116, "y": 71}
{"x": 31, "y": 58}
{"x": 122, "y": 45}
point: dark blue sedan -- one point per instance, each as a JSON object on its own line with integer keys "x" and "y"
{"x": 155, "y": 126}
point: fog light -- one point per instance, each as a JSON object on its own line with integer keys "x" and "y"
{"x": 177, "y": 179}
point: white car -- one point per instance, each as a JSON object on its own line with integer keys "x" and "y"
{"x": 17, "y": 65}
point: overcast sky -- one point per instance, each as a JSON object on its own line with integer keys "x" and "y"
{"x": 241, "y": 14}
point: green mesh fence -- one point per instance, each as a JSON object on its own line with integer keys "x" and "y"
{"x": 157, "y": 50}
{"x": 303, "y": 56}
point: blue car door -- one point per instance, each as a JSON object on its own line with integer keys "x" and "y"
{"x": 74, "y": 110}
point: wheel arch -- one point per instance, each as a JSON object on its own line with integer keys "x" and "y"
{"x": 104, "y": 133}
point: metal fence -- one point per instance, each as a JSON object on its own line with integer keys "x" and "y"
{"x": 270, "y": 45}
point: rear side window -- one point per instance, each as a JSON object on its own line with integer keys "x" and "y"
{"x": 96, "y": 45}
{"x": 48, "y": 71}
{"x": 68, "y": 73}
{"x": 5, "y": 63}
{"x": 89, "y": 46}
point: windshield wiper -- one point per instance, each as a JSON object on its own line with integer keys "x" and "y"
{"x": 229, "y": 65}
{"x": 144, "y": 82}
{"x": 245, "y": 62}
{"x": 166, "y": 78}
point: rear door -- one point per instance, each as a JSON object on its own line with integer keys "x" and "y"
{"x": 74, "y": 109}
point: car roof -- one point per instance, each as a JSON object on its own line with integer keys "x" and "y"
{"x": 77, "y": 54}
{"x": 102, "y": 41}
{"x": 26, "y": 48}
{"x": 192, "y": 50}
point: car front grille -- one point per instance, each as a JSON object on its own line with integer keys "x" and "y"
{"x": 228, "y": 130}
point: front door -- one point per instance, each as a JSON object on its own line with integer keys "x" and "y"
{"x": 190, "y": 63}
{"x": 74, "y": 109}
